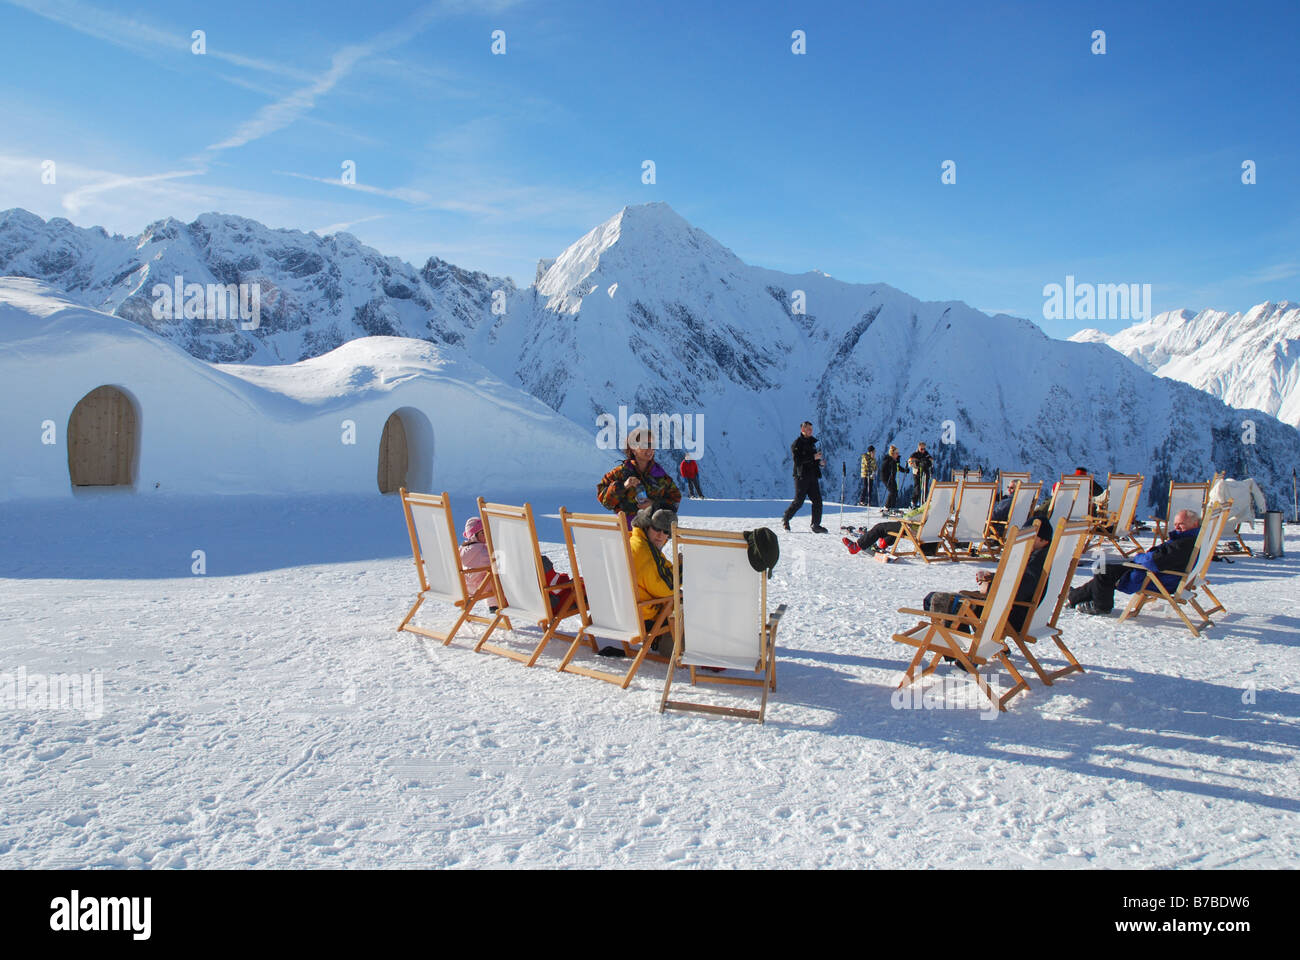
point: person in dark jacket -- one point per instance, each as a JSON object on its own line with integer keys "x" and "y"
{"x": 868, "y": 491}
{"x": 919, "y": 464}
{"x": 690, "y": 471}
{"x": 807, "y": 477}
{"x": 638, "y": 480}
{"x": 889, "y": 477}
{"x": 1170, "y": 561}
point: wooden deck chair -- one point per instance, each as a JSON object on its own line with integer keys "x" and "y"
{"x": 1063, "y": 503}
{"x": 1117, "y": 524}
{"x": 1006, "y": 479}
{"x": 939, "y": 633}
{"x": 1082, "y": 506}
{"x": 437, "y": 562}
{"x": 1023, "y": 497}
{"x": 1182, "y": 496}
{"x": 1040, "y": 623}
{"x": 600, "y": 556}
{"x": 722, "y": 619}
{"x": 970, "y": 521}
{"x": 522, "y": 593}
{"x": 1115, "y": 488}
{"x": 1184, "y": 594}
{"x": 931, "y": 525}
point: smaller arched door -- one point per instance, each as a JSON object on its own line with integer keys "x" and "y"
{"x": 393, "y": 456}
{"x": 102, "y": 438}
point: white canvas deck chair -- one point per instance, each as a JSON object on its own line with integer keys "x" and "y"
{"x": 939, "y": 633}
{"x": 970, "y": 521}
{"x": 1182, "y": 496}
{"x": 722, "y": 619}
{"x": 931, "y": 526}
{"x": 1007, "y": 479}
{"x": 1023, "y": 497}
{"x": 521, "y": 590}
{"x": 600, "y": 555}
{"x": 1247, "y": 498}
{"x": 437, "y": 562}
{"x": 1081, "y": 506}
{"x": 1040, "y": 624}
{"x": 1184, "y": 594}
{"x": 1117, "y": 523}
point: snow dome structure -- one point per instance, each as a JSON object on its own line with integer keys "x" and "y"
{"x": 96, "y": 403}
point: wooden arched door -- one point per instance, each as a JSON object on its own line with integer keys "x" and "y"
{"x": 102, "y": 439}
{"x": 393, "y": 456}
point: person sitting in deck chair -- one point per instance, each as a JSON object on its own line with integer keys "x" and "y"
{"x": 941, "y": 602}
{"x": 652, "y": 571}
{"x": 1170, "y": 560}
{"x": 870, "y": 541}
{"x": 474, "y": 555}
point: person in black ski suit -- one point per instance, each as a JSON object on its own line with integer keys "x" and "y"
{"x": 889, "y": 476}
{"x": 920, "y": 463}
{"x": 807, "y": 474}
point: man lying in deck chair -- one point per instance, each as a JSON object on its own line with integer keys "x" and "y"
{"x": 1171, "y": 559}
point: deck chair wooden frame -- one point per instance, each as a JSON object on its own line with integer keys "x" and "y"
{"x": 1062, "y": 505}
{"x": 939, "y": 633}
{"x": 931, "y": 526}
{"x": 1023, "y": 497}
{"x": 516, "y": 570}
{"x": 1083, "y": 497}
{"x": 1117, "y": 524}
{"x": 437, "y": 531}
{"x": 605, "y": 589}
{"x": 748, "y": 635}
{"x": 971, "y": 521}
{"x": 1044, "y": 609}
{"x": 1184, "y": 594}
{"x": 1006, "y": 479}
{"x": 1182, "y": 496}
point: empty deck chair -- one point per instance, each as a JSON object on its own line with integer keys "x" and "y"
{"x": 1184, "y": 593}
{"x": 931, "y": 526}
{"x": 1182, "y": 496}
{"x": 970, "y": 521}
{"x": 1083, "y": 496}
{"x": 600, "y": 555}
{"x": 722, "y": 620}
{"x": 939, "y": 633}
{"x": 1023, "y": 497}
{"x": 437, "y": 562}
{"x": 521, "y": 589}
{"x": 1062, "y": 560}
{"x": 1117, "y": 524}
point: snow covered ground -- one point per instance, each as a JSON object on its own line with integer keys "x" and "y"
{"x": 266, "y": 713}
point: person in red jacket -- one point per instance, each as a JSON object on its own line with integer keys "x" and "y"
{"x": 690, "y": 471}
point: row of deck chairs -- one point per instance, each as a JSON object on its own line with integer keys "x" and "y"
{"x": 717, "y": 619}
{"x": 977, "y": 634}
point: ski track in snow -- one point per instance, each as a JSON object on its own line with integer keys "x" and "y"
{"x": 276, "y": 719}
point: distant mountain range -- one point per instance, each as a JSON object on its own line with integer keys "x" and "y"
{"x": 652, "y": 314}
{"x": 1249, "y": 359}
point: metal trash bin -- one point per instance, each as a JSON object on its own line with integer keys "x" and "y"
{"x": 1273, "y": 534}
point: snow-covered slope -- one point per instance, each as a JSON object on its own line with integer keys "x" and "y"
{"x": 1249, "y": 359}
{"x": 316, "y": 292}
{"x": 313, "y": 426}
{"x": 651, "y": 313}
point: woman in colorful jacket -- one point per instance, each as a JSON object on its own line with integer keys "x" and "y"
{"x": 638, "y": 480}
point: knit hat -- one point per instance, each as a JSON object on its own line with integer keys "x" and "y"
{"x": 764, "y": 550}
{"x": 658, "y": 518}
{"x": 473, "y": 527}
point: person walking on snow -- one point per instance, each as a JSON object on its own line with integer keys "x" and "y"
{"x": 807, "y": 475}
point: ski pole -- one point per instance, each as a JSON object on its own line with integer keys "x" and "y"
{"x": 1295, "y": 501}
{"x": 844, "y": 478}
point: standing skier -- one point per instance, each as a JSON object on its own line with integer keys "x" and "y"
{"x": 807, "y": 474}
{"x": 867, "y": 493}
{"x": 889, "y": 477}
{"x": 920, "y": 463}
{"x": 690, "y": 472}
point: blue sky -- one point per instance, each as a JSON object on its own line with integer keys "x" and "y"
{"x": 1115, "y": 168}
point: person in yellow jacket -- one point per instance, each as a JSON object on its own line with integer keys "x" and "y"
{"x": 651, "y": 570}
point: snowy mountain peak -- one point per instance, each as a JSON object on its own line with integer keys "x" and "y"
{"x": 638, "y": 240}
